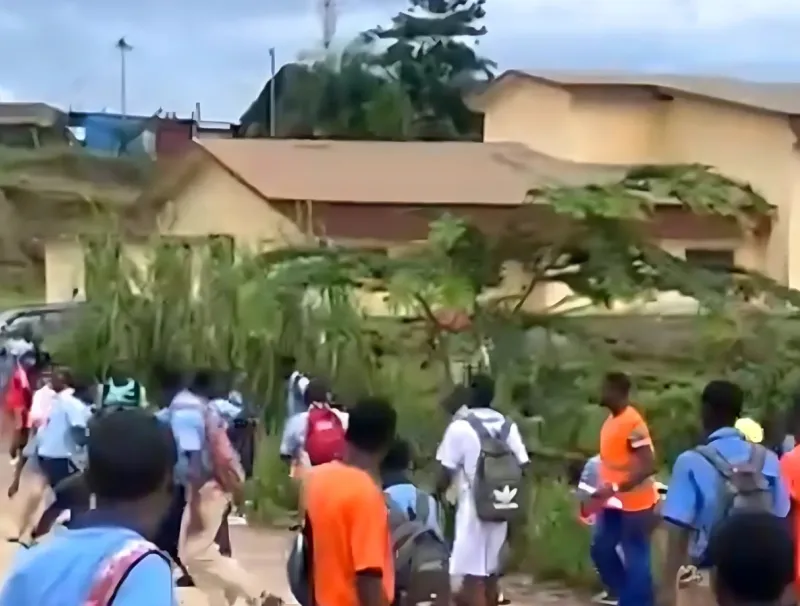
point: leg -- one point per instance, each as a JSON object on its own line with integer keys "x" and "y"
{"x": 604, "y": 550}
{"x": 223, "y": 538}
{"x": 637, "y": 589}
{"x": 211, "y": 570}
{"x": 30, "y": 497}
{"x": 56, "y": 471}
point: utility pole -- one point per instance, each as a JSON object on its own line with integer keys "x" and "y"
{"x": 273, "y": 110}
{"x": 123, "y": 47}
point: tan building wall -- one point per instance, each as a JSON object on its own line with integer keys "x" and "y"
{"x": 64, "y": 270}
{"x": 599, "y": 124}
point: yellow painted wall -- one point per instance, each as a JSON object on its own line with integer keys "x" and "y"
{"x": 531, "y": 113}
{"x": 216, "y": 203}
{"x": 611, "y": 127}
{"x": 64, "y": 270}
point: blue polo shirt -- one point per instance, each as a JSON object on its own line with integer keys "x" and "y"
{"x": 62, "y": 569}
{"x": 693, "y": 488}
{"x": 186, "y": 417}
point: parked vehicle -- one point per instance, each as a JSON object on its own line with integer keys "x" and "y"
{"x": 42, "y": 321}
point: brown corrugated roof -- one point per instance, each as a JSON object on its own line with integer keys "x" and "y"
{"x": 38, "y": 114}
{"x": 413, "y": 172}
{"x": 781, "y": 98}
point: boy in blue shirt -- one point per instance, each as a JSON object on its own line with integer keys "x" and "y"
{"x": 692, "y": 508}
{"x": 130, "y": 460}
{"x": 397, "y": 484}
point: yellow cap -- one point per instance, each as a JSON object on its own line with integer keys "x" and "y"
{"x": 751, "y": 430}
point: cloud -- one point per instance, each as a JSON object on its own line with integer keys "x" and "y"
{"x": 218, "y": 53}
{"x": 6, "y": 95}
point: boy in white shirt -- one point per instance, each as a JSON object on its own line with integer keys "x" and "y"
{"x": 477, "y": 544}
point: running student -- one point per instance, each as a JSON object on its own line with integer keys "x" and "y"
{"x": 199, "y": 431}
{"x": 106, "y": 554}
{"x": 30, "y": 492}
{"x": 347, "y": 527}
{"x": 61, "y": 446}
{"x": 397, "y": 484}
{"x": 626, "y": 497}
{"x": 478, "y": 542}
{"x": 695, "y": 503}
{"x": 317, "y": 435}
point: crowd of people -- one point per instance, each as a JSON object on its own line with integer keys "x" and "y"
{"x": 144, "y": 490}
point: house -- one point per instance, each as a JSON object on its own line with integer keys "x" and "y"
{"x": 746, "y": 130}
{"x": 32, "y": 125}
{"x": 155, "y": 135}
{"x": 265, "y": 194}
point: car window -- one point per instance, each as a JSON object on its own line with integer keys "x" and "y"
{"x": 32, "y": 321}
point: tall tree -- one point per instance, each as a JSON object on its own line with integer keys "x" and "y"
{"x": 432, "y": 53}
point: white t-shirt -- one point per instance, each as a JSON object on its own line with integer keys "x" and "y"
{"x": 477, "y": 544}
{"x": 41, "y": 404}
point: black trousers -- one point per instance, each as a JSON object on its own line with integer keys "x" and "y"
{"x": 68, "y": 495}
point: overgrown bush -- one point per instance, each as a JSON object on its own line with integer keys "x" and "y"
{"x": 243, "y": 312}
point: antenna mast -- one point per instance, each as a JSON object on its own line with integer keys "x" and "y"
{"x": 328, "y": 15}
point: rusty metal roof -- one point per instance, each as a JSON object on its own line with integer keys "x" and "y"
{"x": 416, "y": 172}
{"x": 781, "y": 98}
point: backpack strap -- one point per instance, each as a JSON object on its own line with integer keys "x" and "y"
{"x": 422, "y": 508}
{"x": 717, "y": 461}
{"x": 478, "y": 426}
{"x": 116, "y": 568}
{"x": 505, "y": 430}
{"x": 758, "y": 456}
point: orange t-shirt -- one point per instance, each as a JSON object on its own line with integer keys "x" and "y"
{"x": 619, "y": 436}
{"x": 790, "y": 472}
{"x": 350, "y": 532}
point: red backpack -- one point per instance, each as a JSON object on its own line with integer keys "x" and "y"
{"x": 324, "y": 435}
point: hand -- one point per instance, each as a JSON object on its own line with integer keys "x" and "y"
{"x": 604, "y": 492}
{"x": 13, "y": 488}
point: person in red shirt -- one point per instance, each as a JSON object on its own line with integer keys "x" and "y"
{"x": 18, "y": 400}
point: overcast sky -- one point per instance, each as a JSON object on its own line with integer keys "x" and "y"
{"x": 216, "y": 52}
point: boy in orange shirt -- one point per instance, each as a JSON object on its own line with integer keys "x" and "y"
{"x": 625, "y": 498}
{"x": 347, "y": 522}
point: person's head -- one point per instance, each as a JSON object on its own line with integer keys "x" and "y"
{"x": 60, "y": 378}
{"x": 398, "y": 458}
{"x": 481, "y": 392}
{"x": 455, "y": 400}
{"x": 720, "y": 405}
{"x": 752, "y": 559}
{"x": 120, "y": 371}
{"x": 615, "y": 392}
{"x": 85, "y": 389}
{"x": 131, "y": 455}
{"x": 317, "y": 392}
{"x": 371, "y": 428}
{"x": 28, "y": 360}
{"x": 286, "y": 366}
{"x": 202, "y": 383}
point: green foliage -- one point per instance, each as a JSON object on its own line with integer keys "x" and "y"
{"x": 237, "y": 311}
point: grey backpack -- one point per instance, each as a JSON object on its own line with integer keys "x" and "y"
{"x": 498, "y": 475}
{"x": 422, "y": 557}
{"x": 742, "y": 487}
